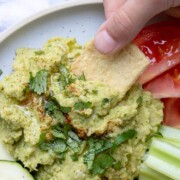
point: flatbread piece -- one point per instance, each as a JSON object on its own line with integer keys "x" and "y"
{"x": 120, "y": 70}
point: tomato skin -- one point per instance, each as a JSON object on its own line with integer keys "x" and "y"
{"x": 166, "y": 85}
{"x": 172, "y": 112}
{"x": 160, "y": 43}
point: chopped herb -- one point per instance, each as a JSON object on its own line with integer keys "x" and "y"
{"x": 117, "y": 165}
{"x": 105, "y": 101}
{"x": 74, "y": 136}
{"x": 59, "y": 146}
{"x": 74, "y": 157}
{"x": 65, "y": 77}
{"x": 82, "y": 105}
{"x": 65, "y": 109}
{"x": 66, "y": 129}
{"x": 82, "y": 77}
{"x": 105, "y": 145}
{"x": 1, "y": 72}
{"x": 101, "y": 163}
{"x": 98, "y": 157}
{"x": 53, "y": 109}
{"x": 120, "y": 138}
{"x": 42, "y": 138}
{"x": 89, "y": 158}
{"x": 46, "y": 146}
{"x": 58, "y": 134}
{"x": 94, "y": 91}
{"x": 74, "y": 145}
{"x": 90, "y": 155}
{"x": 63, "y": 69}
{"x": 139, "y": 100}
{"x": 38, "y": 84}
{"x": 40, "y": 52}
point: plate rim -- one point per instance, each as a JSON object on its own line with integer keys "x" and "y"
{"x": 64, "y": 5}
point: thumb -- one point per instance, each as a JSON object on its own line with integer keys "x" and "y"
{"x": 119, "y": 29}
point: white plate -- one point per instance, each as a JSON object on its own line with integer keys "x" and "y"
{"x": 79, "y": 19}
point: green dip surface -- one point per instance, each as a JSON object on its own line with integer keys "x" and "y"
{"x": 63, "y": 127}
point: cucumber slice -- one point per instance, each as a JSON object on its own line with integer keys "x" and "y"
{"x": 13, "y": 170}
{"x": 4, "y": 155}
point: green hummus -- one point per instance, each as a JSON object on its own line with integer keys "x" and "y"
{"x": 63, "y": 127}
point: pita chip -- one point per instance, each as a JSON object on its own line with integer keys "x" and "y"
{"x": 120, "y": 70}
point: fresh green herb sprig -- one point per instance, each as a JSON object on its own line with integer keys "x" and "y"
{"x": 38, "y": 84}
{"x": 55, "y": 110}
{"x": 82, "y": 105}
{"x": 98, "y": 158}
{"x": 64, "y": 138}
{"x": 65, "y": 78}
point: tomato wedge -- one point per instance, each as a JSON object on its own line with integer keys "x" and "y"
{"x": 172, "y": 112}
{"x": 160, "y": 43}
{"x": 166, "y": 85}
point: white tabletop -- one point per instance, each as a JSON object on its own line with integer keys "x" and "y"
{"x": 13, "y": 11}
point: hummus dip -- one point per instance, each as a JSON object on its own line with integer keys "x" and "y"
{"x": 62, "y": 127}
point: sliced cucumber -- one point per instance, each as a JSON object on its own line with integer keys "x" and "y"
{"x": 4, "y": 155}
{"x": 10, "y": 170}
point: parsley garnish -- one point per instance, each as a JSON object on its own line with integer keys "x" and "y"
{"x": 82, "y": 105}
{"x": 1, "y": 72}
{"x": 38, "y": 84}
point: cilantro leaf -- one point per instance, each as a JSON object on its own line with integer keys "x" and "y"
{"x": 65, "y": 77}
{"x": 82, "y": 77}
{"x": 53, "y": 109}
{"x": 101, "y": 163}
{"x": 105, "y": 101}
{"x": 82, "y": 105}
{"x": 63, "y": 69}
{"x": 1, "y": 72}
{"x": 65, "y": 109}
{"x": 74, "y": 145}
{"x": 42, "y": 138}
{"x": 59, "y": 146}
{"x": 117, "y": 165}
{"x": 74, "y": 157}
{"x": 58, "y": 134}
{"x": 38, "y": 84}
{"x": 120, "y": 138}
{"x": 105, "y": 145}
{"x": 90, "y": 155}
{"x": 46, "y": 146}
{"x": 74, "y": 136}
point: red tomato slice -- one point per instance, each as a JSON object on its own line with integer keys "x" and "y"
{"x": 160, "y": 43}
{"x": 166, "y": 85}
{"x": 172, "y": 112}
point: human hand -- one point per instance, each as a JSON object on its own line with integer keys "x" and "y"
{"x": 125, "y": 18}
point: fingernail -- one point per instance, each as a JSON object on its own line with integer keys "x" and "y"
{"x": 104, "y": 42}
